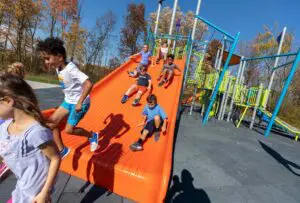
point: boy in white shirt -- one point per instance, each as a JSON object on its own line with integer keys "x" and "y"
{"x": 76, "y": 88}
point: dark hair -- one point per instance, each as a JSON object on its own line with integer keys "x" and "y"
{"x": 53, "y": 46}
{"x": 144, "y": 67}
{"x": 152, "y": 98}
{"x": 170, "y": 56}
{"x": 22, "y": 94}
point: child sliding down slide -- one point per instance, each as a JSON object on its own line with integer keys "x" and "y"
{"x": 143, "y": 84}
{"x": 154, "y": 121}
{"x": 167, "y": 72}
{"x": 146, "y": 60}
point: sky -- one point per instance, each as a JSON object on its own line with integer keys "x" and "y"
{"x": 247, "y": 17}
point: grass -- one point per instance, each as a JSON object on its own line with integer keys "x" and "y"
{"x": 43, "y": 78}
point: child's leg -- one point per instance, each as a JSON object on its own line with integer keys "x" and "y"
{"x": 139, "y": 94}
{"x": 55, "y": 119}
{"x": 131, "y": 89}
{"x": 144, "y": 135}
{"x": 163, "y": 75}
{"x": 170, "y": 75}
{"x": 73, "y": 120}
{"x": 157, "y": 123}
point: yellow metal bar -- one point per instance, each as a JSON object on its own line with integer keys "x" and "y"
{"x": 243, "y": 115}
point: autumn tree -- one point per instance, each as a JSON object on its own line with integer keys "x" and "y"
{"x": 61, "y": 12}
{"x": 134, "y": 31}
{"x": 186, "y": 22}
{"x": 266, "y": 43}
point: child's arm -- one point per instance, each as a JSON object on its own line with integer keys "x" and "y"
{"x": 143, "y": 121}
{"x": 134, "y": 55}
{"x": 164, "y": 127}
{"x": 165, "y": 118}
{"x": 50, "y": 150}
{"x": 86, "y": 89}
{"x": 177, "y": 68}
{"x": 150, "y": 84}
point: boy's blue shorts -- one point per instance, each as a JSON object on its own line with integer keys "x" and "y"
{"x": 75, "y": 117}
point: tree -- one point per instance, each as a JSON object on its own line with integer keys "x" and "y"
{"x": 186, "y": 22}
{"x": 114, "y": 62}
{"x": 99, "y": 37}
{"x": 265, "y": 43}
{"x": 76, "y": 36}
{"x": 134, "y": 31}
{"x": 63, "y": 12}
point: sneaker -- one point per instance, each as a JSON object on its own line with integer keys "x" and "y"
{"x": 3, "y": 169}
{"x": 64, "y": 152}
{"x": 124, "y": 99}
{"x": 135, "y": 102}
{"x": 156, "y": 136}
{"x": 130, "y": 73}
{"x": 136, "y": 147}
{"x": 94, "y": 141}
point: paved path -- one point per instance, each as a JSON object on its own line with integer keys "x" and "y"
{"x": 216, "y": 163}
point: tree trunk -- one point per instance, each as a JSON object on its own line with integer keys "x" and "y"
{"x": 52, "y": 26}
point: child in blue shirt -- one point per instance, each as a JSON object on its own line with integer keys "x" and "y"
{"x": 146, "y": 60}
{"x": 155, "y": 119}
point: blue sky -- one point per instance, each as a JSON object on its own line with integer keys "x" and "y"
{"x": 247, "y": 17}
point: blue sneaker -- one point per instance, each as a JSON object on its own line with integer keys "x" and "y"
{"x": 124, "y": 99}
{"x": 64, "y": 152}
{"x": 94, "y": 141}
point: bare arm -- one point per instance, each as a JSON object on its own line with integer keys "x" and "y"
{"x": 86, "y": 89}
{"x": 177, "y": 68}
{"x": 164, "y": 127}
{"x": 143, "y": 121}
{"x": 150, "y": 84}
{"x": 50, "y": 150}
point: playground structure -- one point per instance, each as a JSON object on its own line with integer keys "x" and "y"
{"x": 145, "y": 176}
{"x": 232, "y": 88}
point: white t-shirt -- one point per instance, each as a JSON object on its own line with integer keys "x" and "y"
{"x": 164, "y": 50}
{"x": 71, "y": 80}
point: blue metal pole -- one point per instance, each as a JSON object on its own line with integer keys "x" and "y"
{"x": 267, "y": 57}
{"x": 283, "y": 93}
{"x": 214, "y": 95}
{"x": 215, "y": 27}
{"x": 280, "y": 66}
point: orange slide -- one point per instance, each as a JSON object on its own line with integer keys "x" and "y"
{"x": 141, "y": 176}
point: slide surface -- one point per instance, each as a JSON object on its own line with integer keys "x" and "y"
{"x": 281, "y": 123}
{"x": 141, "y": 176}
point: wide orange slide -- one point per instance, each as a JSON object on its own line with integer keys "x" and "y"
{"x": 140, "y": 176}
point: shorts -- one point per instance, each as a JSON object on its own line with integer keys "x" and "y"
{"x": 138, "y": 68}
{"x": 150, "y": 126}
{"x": 74, "y": 117}
{"x": 143, "y": 89}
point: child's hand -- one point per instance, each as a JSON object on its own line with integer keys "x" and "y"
{"x": 42, "y": 197}
{"x": 78, "y": 107}
{"x": 164, "y": 129}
